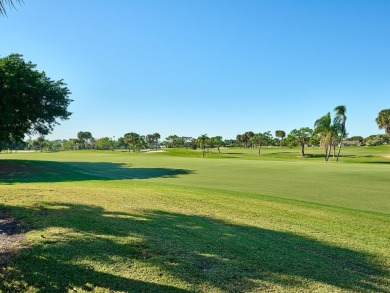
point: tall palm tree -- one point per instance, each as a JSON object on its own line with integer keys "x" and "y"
{"x": 326, "y": 130}
{"x": 4, "y": 4}
{"x": 202, "y": 141}
{"x": 339, "y": 123}
{"x": 383, "y": 120}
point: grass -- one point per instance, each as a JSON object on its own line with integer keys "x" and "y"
{"x": 167, "y": 222}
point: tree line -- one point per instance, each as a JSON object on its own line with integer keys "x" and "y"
{"x": 327, "y": 133}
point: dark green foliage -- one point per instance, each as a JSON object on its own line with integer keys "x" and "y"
{"x": 300, "y": 137}
{"x": 383, "y": 120}
{"x": 30, "y": 102}
{"x": 379, "y": 139}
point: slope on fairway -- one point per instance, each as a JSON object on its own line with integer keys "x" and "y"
{"x": 360, "y": 186}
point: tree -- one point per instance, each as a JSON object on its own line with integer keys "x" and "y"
{"x": 356, "y": 137}
{"x": 84, "y": 138}
{"x": 326, "y": 130}
{"x": 217, "y": 142}
{"x": 280, "y": 134}
{"x": 131, "y": 140}
{"x": 69, "y": 144}
{"x": 149, "y": 139}
{"x": 240, "y": 138}
{"x": 104, "y": 143}
{"x": 30, "y": 102}
{"x": 339, "y": 124}
{"x": 9, "y": 3}
{"x": 202, "y": 142}
{"x": 260, "y": 139}
{"x": 156, "y": 137}
{"x": 383, "y": 120}
{"x": 38, "y": 143}
{"x": 248, "y": 136}
{"x": 300, "y": 136}
{"x": 379, "y": 139}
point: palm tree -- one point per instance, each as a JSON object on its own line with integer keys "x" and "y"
{"x": 326, "y": 130}
{"x": 281, "y": 134}
{"x": 131, "y": 139}
{"x": 240, "y": 139}
{"x": 9, "y": 3}
{"x": 256, "y": 141}
{"x": 202, "y": 141}
{"x": 383, "y": 120}
{"x": 149, "y": 140}
{"x": 339, "y": 123}
{"x": 247, "y": 138}
{"x": 156, "y": 137}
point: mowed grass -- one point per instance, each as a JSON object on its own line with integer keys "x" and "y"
{"x": 173, "y": 221}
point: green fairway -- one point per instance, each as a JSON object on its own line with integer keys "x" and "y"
{"x": 173, "y": 221}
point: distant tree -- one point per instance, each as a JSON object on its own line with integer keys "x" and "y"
{"x": 30, "y": 102}
{"x": 54, "y": 145}
{"x": 104, "y": 143}
{"x": 260, "y": 139}
{"x": 300, "y": 136}
{"x": 247, "y": 138}
{"x": 187, "y": 141}
{"x": 84, "y": 138}
{"x": 326, "y": 130}
{"x": 280, "y": 134}
{"x": 202, "y": 142}
{"x": 120, "y": 143}
{"x": 156, "y": 137}
{"x": 69, "y": 144}
{"x": 339, "y": 125}
{"x": 13, "y": 144}
{"x": 9, "y": 3}
{"x": 383, "y": 120}
{"x": 357, "y": 137}
{"x": 131, "y": 139}
{"x": 217, "y": 142}
{"x": 378, "y": 139}
{"x": 38, "y": 143}
{"x": 149, "y": 139}
{"x": 140, "y": 143}
{"x": 315, "y": 139}
{"x": 240, "y": 139}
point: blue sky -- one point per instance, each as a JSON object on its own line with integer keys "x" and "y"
{"x": 214, "y": 67}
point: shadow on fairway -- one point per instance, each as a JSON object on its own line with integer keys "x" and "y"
{"x": 26, "y": 171}
{"x": 194, "y": 249}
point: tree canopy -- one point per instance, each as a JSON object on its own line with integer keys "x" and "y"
{"x": 30, "y": 102}
{"x": 383, "y": 120}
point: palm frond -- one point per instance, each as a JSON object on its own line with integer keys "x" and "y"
{"x": 6, "y": 4}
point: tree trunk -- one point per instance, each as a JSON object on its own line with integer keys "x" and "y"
{"x": 259, "y": 150}
{"x": 219, "y": 151}
{"x": 338, "y": 153}
{"x": 328, "y": 151}
{"x": 303, "y": 149}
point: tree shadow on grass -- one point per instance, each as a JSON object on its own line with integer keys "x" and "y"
{"x": 202, "y": 252}
{"x": 27, "y": 171}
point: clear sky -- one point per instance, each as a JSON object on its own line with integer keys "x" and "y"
{"x": 207, "y": 66}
